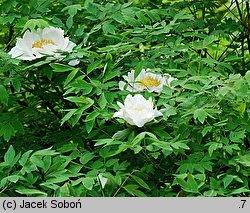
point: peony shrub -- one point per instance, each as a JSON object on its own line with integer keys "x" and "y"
{"x": 114, "y": 98}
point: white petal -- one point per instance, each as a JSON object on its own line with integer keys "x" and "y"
{"x": 157, "y": 113}
{"x": 31, "y": 37}
{"x": 127, "y": 117}
{"x": 20, "y": 54}
{"x": 102, "y": 180}
{"x": 74, "y": 62}
{"x": 141, "y": 122}
{"x": 15, "y": 52}
{"x": 118, "y": 114}
{"x": 25, "y": 46}
{"x": 70, "y": 46}
{"x": 120, "y": 104}
{"x": 54, "y": 34}
{"x": 121, "y": 85}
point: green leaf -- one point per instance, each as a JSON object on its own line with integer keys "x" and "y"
{"x": 13, "y": 178}
{"x": 124, "y": 34}
{"x": 90, "y": 120}
{"x": 55, "y": 180}
{"x": 194, "y": 87}
{"x": 111, "y": 74}
{"x": 140, "y": 182}
{"x": 117, "y": 16}
{"x": 137, "y": 140}
{"x": 33, "y": 23}
{"x": 82, "y": 85}
{"x": 76, "y": 99}
{"x": 133, "y": 190}
{"x": 104, "y": 141}
{"x": 227, "y": 180}
{"x": 25, "y": 157}
{"x": 130, "y": 188}
{"x": 161, "y": 144}
{"x": 92, "y": 116}
{"x": 170, "y": 111}
{"x": 65, "y": 190}
{"x": 72, "y": 9}
{"x": 210, "y": 193}
{"x": 123, "y": 147}
{"x": 3, "y": 95}
{"x": 230, "y": 148}
{"x": 17, "y": 125}
{"x": 7, "y": 131}
{"x": 38, "y": 64}
{"x": 89, "y": 125}
{"x": 244, "y": 160}
{"x": 206, "y": 130}
{"x": 67, "y": 147}
{"x": 122, "y": 134}
{"x": 201, "y": 114}
{"x": 10, "y": 155}
{"x": 88, "y": 183}
{"x": 37, "y": 161}
{"x": 181, "y": 15}
{"x": 102, "y": 101}
{"x": 61, "y": 67}
{"x": 68, "y": 116}
{"x": 47, "y": 163}
{"x": 93, "y": 66}
{"x": 138, "y": 68}
{"x": 143, "y": 19}
{"x": 70, "y": 77}
{"x": 69, "y": 22}
{"x": 86, "y": 157}
{"x": 178, "y": 145}
{"x": 16, "y": 84}
{"x": 31, "y": 192}
{"x": 208, "y": 40}
{"x": 240, "y": 190}
{"x": 241, "y": 108}
{"x": 108, "y": 28}
{"x": 237, "y": 136}
{"x": 212, "y": 148}
{"x": 247, "y": 76}
{"x": 45, "y": 152}
{"x": 77, "y": 116}
{"x": 190, "y": 185}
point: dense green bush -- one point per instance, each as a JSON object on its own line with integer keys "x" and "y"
{"x": 58, "y": 135}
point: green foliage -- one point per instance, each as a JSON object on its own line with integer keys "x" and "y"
{"x": 58, "y": 135}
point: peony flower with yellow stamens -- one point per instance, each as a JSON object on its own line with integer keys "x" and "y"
{"x": 146, "y": 80}
{"x": 38, "y": 43}
{"x": 136, "y": 110}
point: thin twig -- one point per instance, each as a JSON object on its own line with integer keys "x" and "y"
{"x": 247, "y": 30}
{"x": 227, "y": 48}
{"x": 123, "y": 183}
{"x": 239, "y": 11}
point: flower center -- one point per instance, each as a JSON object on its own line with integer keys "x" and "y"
{"x": 42, "y": 43}
{"x": 137, "y": 109}
{"x": 149, "y": 82}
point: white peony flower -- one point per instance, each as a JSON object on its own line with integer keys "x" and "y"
{"x": 146, "y": 80}
{"x": 137, "y": 110}
{"x": 37, "y": 43}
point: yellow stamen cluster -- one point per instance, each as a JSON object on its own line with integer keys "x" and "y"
{"x": 42, "y": 43}
{"x": 149, "y": 82}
